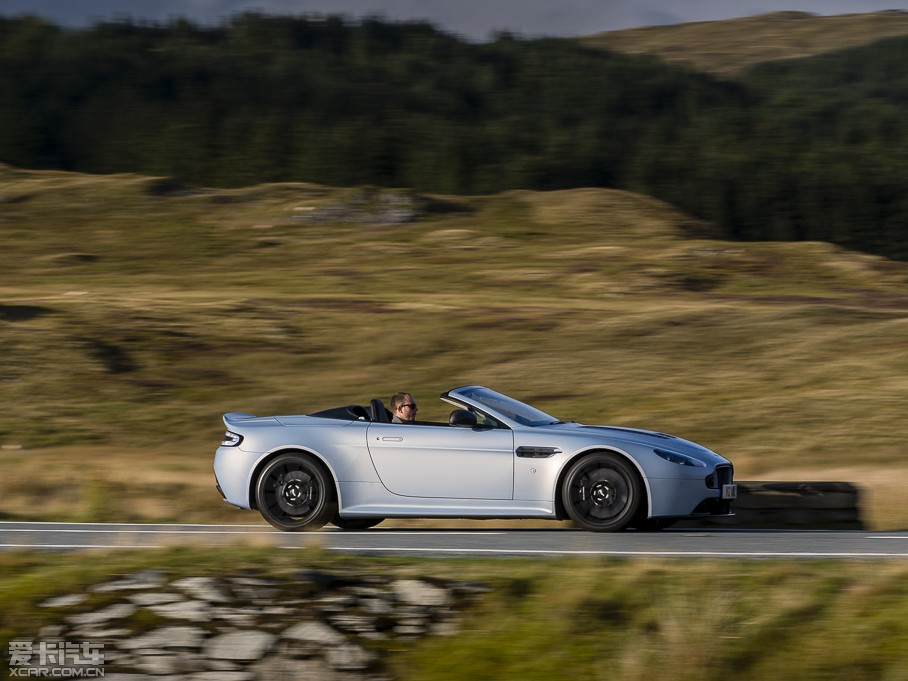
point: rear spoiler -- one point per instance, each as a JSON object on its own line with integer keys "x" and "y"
{"x": 236, "y": 416}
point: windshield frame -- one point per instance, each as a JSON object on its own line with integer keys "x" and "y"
{"x": 507, "y": 408}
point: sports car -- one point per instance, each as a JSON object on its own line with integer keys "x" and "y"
{"x": 496, "y": 457}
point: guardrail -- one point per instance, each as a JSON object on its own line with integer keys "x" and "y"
{"x": 791, "y": 505}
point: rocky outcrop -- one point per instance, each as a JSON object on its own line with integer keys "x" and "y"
{"x": 310, "y": 625}
{"x": 376, "y": 207}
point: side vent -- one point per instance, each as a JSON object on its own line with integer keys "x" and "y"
{"x": 537, "y": 452}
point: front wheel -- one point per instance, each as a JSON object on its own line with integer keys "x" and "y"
{"x": 602, "y": 492}
{"x": 293, "y": 493}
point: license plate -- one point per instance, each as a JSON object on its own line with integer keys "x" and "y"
{"x": 730, "y": 491}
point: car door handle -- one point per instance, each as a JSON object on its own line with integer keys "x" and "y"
{"x": 392, "y": 439}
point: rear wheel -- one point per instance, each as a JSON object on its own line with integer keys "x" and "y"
{"x": 355, "y": 523}
{"x": 602, "y": 492}
{"x": 293, "y": 493}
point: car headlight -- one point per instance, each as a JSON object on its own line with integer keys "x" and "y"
{"x": 231, "y": 439}
{"x": 680, "y": 459}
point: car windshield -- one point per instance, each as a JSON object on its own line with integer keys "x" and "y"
{"x": 524, "y": 414}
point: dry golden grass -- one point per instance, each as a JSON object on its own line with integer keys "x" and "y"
{"x": 130, "y": 321}
{"x": 727, "y": 47}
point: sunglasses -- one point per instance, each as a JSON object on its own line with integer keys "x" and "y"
{"x": 411, "y": 405}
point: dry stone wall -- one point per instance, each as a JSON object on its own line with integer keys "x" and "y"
{"x": 311, "y": 625}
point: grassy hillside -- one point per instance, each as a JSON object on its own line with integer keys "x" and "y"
{"x": 727, "y": 47}
{"x": 134, "y": 312}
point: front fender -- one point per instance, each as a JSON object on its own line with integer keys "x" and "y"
{"x": 569, "y": 461}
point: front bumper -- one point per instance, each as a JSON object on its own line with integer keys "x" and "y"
{"x": 711, "y": 495}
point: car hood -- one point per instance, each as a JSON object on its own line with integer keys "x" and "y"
{"x": 647, "y": 438}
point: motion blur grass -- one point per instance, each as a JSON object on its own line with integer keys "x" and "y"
{"x": 620, "y": 619}
{"x": 135, "y": 312}
{"x": 639, "y": 620}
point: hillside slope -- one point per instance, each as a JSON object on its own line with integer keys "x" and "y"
{"x": 288, "y": 99}
{"x": 728, "y": 47}
{"x": 133, "y": 313}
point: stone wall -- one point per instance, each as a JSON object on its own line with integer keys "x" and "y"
{"x": 311, "y": 625}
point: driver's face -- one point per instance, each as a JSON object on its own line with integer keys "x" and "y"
{"x": 406, "y": 411}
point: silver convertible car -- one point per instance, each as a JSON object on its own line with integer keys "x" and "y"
{"x": 496, "y": 457}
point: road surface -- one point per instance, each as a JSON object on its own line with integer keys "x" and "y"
{"x": 491, "y": 541}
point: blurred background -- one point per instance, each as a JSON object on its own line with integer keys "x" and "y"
{"x": 698, "y": 228}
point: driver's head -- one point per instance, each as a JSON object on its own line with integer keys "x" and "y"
{"x": 403, "y": 406}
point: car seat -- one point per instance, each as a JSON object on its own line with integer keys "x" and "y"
{"x": 379, "y": 413}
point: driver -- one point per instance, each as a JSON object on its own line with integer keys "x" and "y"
{"x": 403, "y": 408}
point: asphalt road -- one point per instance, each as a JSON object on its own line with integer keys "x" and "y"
{"x": 479, "y": 542}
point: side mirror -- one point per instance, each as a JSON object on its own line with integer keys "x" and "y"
{"x": 462, "y": 418}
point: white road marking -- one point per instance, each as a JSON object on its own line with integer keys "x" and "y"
{"x": 901, "y": 536}
{"x": 2, "y": 530}
{"x": 63, "y": 522}
{"x": 128, "y": 536}
{"x": 549, "y": 552}
{"x": 274, "y": 533}
{"x": 591, "y": 552}
{"x": 411, "y": 533}
{"x": 79, "y": 546}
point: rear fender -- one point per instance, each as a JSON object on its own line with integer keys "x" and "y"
{"x": 253, "y": 482}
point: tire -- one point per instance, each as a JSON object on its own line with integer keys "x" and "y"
{"x": 602, "y": 492}
{"x": 293, "y": 493}
{"x": 355, "y": 523}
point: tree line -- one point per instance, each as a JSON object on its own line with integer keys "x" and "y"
{"x": 813, "y": 149}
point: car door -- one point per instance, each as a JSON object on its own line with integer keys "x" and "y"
{"x": 443, "y": 461}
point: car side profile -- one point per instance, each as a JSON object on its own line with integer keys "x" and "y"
{"x": 495, "y": 457}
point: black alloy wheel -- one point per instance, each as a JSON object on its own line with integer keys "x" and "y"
{"x": 293, "y": 493}
{"x": 602, "y": 492}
